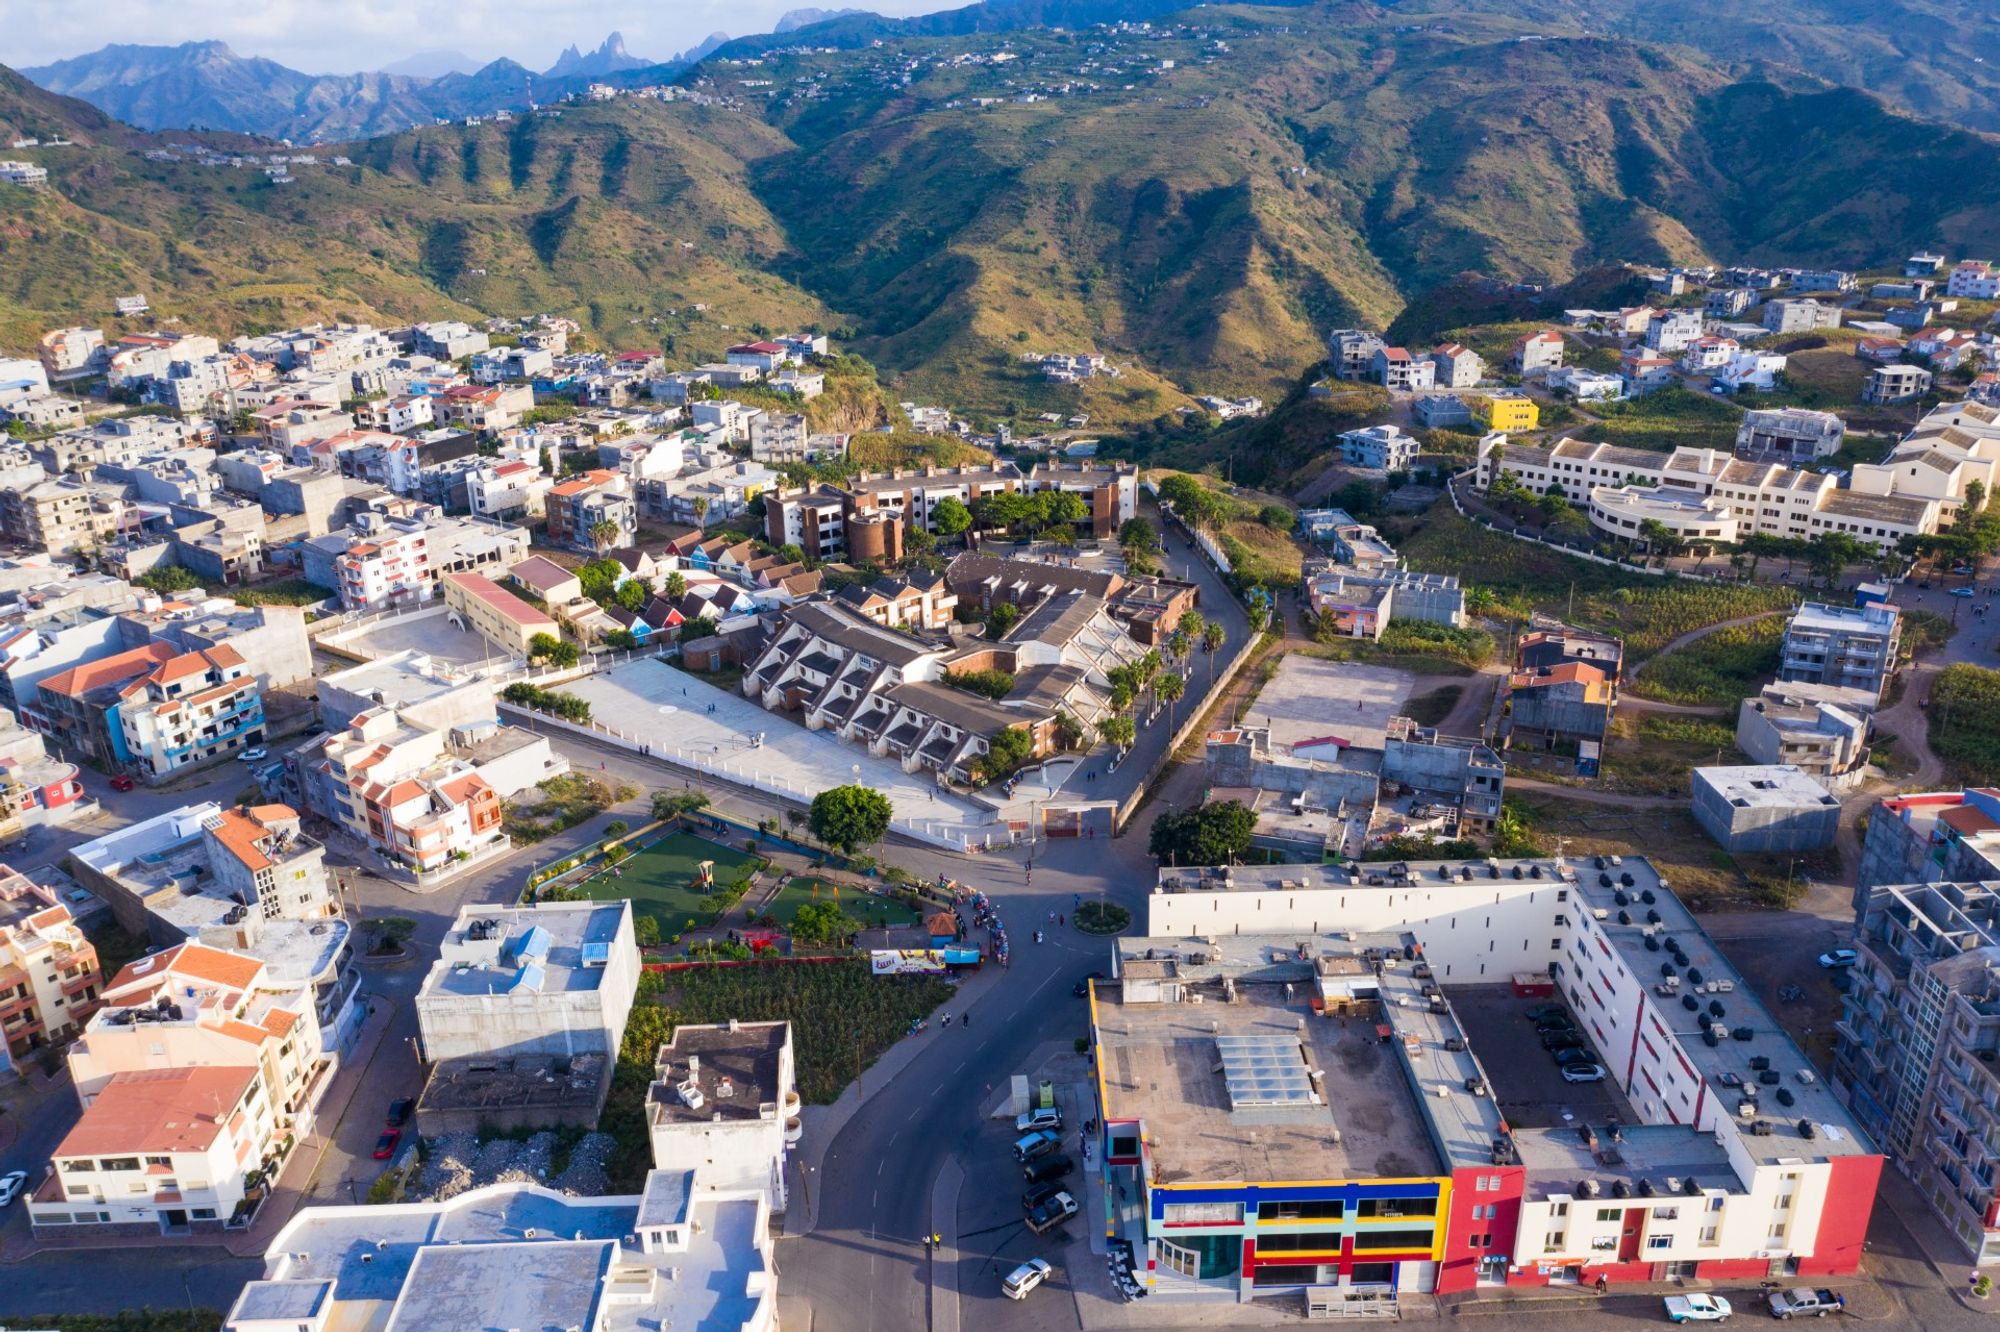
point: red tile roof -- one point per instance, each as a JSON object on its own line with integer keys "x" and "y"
{"x": 124, "y": 666}
{"x": 158, "y": 1111}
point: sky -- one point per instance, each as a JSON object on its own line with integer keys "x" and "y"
{"x": 337, "y": 36}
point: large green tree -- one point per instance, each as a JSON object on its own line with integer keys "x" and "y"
{"x": 848, "y": 818}
{"x": 1215, "y": 834}
{"x": 950, "y": 516}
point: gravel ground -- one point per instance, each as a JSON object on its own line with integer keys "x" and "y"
{"x": 459, "y": 1161}
{"x": 587, "y": 1174}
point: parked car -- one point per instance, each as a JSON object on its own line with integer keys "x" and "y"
{"x": 1963, "y": 592}
{"x": 1562, "y": 1040}
{"x": 1574, "y": 1054}
{"x": 253, "y": 755}
{"x": 11, "y": 1185}
{"x": 1017, "y": 1283}
{"x": 1583, "y": 1072}
{"x": 1554, "y": 1028}
{"x": 1806, "y": 1302}
{"x": 1053, "y": 1213}
{"x": 122, "y": 783}
{"x": 1033, "y": 1146}
{"x": 1548, "y": 1013}
{"x": 1838, "y": 958}
{"x": 399, "y": 1113}
{"x": 1047, "y": 1168}
{"x": 385, "y": 1146}
{"x": 1038, "y": 1195}
{"x": 1698, "y": 1309}
{"x": 1048, "y": 1117}
{"x": 1082, "y": 988}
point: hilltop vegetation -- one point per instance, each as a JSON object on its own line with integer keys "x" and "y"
{"x": 1202, "y": 225}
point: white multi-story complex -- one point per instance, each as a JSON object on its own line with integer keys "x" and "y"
{"x": 1381, "y": 448}
{"x": 390, "y": 569}
{"x": 1974, "y": 279}
{"x": 554, "y": 979}
{"x": 1852, "y": 647}
{"x": 198, "y": 706}
{"x": 73, "y": 351}
{"x": 508, "y": 491}
{"x": 1764, "y": 497}
{"x": 1670, "y": 332}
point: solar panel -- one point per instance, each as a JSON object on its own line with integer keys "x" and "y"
{"x": 1265, "y": 1071}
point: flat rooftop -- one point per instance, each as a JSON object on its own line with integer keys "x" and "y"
{"x": 1314, "y": 700}
{"x": 526, "y": 1285}
{"x": 736, "y": 1068}
{"x": 1817, "y": 617}
{"x": 1725, "y": 1067}
{"x": 1764, "y": 786}
{"x": 492, "y": 950}
{"x": 484, "y": 1083}
{"x": 1343, "y": 1109}
{"x": 1665, "y": 1156}
{"x": 399, "y": 680}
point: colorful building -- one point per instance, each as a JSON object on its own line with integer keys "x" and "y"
{"x": 1289, "y": 1099}
{"x": 1512, "y": 412}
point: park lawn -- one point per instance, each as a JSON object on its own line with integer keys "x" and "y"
{"x": 857, "y": 902}
{"x": 660, "y": 880}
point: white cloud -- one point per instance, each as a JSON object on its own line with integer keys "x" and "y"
{"x": 322, "y": 36}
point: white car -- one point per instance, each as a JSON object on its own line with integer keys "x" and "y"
{"x": 11, "y": 1185}
{"x": 1838, "y": 958}
{"x": 1698, "y": 1309}
{"x": 252, "y": 755}
{"x": 1046, "y": 1118}
{"x": 1583, "y": 1072}
{"x": 1025, "y": 1278}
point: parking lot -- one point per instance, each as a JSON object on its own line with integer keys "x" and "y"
{"x": 993, "y": 1236}
{"x": 1527, "y": 1086}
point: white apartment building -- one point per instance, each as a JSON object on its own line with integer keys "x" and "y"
{"x": 1974, "y": 279}
{"x": 21, "y": 380}
{"x": 49, "y": 976}
{"x": 508, "y": 491}
{"x": 1764, "y": 497}
{"x": 553, "y": 979}
{"x": 389, "y": 569}
{"x": 69, "y": 351}
{"x": 196, "y": 707}
{"x": 1669, "y": 332}
{"x": 725, "y": 1101}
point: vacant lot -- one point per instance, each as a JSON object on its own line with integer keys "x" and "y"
{"x": 1716, "y": 669}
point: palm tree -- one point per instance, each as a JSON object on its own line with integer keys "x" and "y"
{"x": 602, "y": 534}
{"x": 700, "y": 506}
{"x": 1169, "y": 689}
{"x": 1118, "y": 731}
{"x": 1212, "y": 637}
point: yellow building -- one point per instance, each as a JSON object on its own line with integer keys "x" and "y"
{"x": 1512, "y": 412}
{"x": 495, "y": 614}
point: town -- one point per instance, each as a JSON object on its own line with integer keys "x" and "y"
{"x": 506, "y": 831}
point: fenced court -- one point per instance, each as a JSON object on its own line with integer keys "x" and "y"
{"x": 872, "y": 910}
{"x": 663, "y": 881}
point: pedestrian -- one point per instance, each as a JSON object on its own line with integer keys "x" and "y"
{"x": 1062, "y": 920}
{"x": 1602, "y": 1283}
{"x": 965, "y": 1020}
{"x": 937, "y": 1240}
{"x": 1973, "y": 1277}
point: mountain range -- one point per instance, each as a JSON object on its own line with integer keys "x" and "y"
{"x": 1199, "y": 199}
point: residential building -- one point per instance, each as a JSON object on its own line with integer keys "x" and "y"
{"x": 161, "y": 1151}
{"x": 1824, "y": 740}
{"x": 1727, "y": 302}
{"x": 21, "y": 380}
{"x": 67, "y": 352}
{"x": 1886, "y": 384}
{"x": 1512, "y": 411}
{"x": 81, "y": 705}
{"x": 36, "y": 787}
{"x": 192, "y": 708}
{"x": 1561, "y": 711}
{"x": 1670, "y": 332}
{"x": 1686, "y": 1183}
{"x": 1708, "y": 352}
{"x": 779, "y": 437}
{"x": 1456, "y": 366}
{"x": 556, "y": 978}
{"x": 923, "y": 601}
{"x": 1854, "y": 647}
{"x": 1703, "y": 493}
{"x": 1434, "y": 411}
{"x": 50, "y": 982}
{"x": 1923, "y": 264}
{"x": 1399, "y": 372}
{"x": 448, "y": 340}
{"x": 1973, "y": 279}
{"x": 1822, "y": 279}
{"x": 725, "y": 1101}
{"x": 1788, "y": 435}
{"x": 1641, "y": 371}
{"x": 594, "y": 511}
{"x": 508, "y": 491}
{"x": 1914, "y": 1048}
{"x": 390, "y": 569}
{"x": 1549, "y": 643}
{"x": 1764, "y": 808}
{"x": 1381, "y": 448}
{"x": 1538, "y": 353}
{"x": 1930, "y": 837}
{"x": 497, "y": 365}
{"x": 1351, "y": 352}
{"x": 864, "y": 521}
{"x": 59, "y": 516}
{"x": 678, "y": 1254}
{"x": 1756, "y": 371}
{"x": 1800, "y": 315}
{"x": 1586, "y": 385}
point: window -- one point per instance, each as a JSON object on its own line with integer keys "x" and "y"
{"x": 1711, "y": 1234}
{"x": 1552, "y": 1242}
{"x": 1610, "y": 1214}
{"x": 1715, "y": 1203}
{"x": 1666, "y": 1213}
{"x": 1300, "y": 1241}
{"x": 1296, "y": 1210}
{"x": 1202, "y": 1213}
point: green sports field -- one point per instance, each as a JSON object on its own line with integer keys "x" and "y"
{"x": 660, "y": 880}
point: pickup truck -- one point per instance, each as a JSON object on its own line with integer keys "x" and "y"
{"x": 1052, "y": 1213}
{"x": 1805, "y": 1302}
{"x": 1697, "y": 1309}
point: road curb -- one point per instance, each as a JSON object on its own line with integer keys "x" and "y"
{"x": 944, "y": 1255}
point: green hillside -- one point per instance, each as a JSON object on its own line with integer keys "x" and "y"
{"x": 1197, "y": 201}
